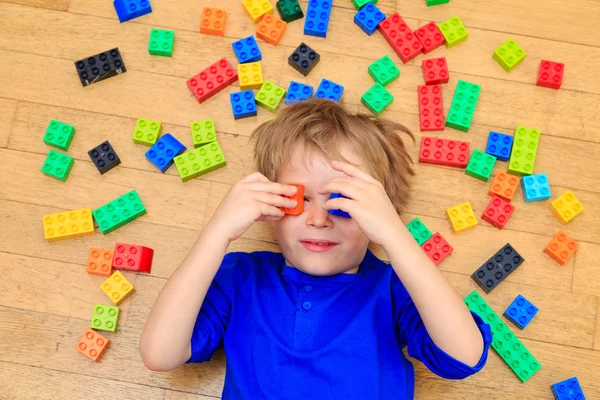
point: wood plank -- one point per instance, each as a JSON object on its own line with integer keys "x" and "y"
{"x": 597, "y": 339}
{"x": 7, "y": 114}
{"x": 586, "y": 278}
{"x": 436, "y": 388}
{"x": 174, "y": 395}
{"x": 59, "y": 5}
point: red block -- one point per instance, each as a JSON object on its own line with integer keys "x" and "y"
{"x": 299, "y": 197}
{"x": 430, "y": 37}
{"x": 435, "y": 71}
{"x": 431, "y": 110}
{"x": 497, "y": 212}
{"x": 550, "y": 74}
{"x": 402, "y": 39}
{"x": 131, "y": 257}
{"x": 436, "y": 248}
{"x": 212, "y": 80}
{"x": 452, "y": 153}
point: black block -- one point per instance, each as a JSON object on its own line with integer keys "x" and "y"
{"x": 99, "y": 67}
{"x": 304, "y": 59}
{"x": 104, "y": 157}
{"x": 497, "y": 268}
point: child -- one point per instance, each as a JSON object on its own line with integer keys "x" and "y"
{"x": 325, "y": 318}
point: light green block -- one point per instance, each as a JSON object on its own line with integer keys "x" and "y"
{"x": 419, "y": 231}
{"x": 119, "y": 212}
{"x": 377, "y": 99}
{"x": 524, "y": 150}
{"x": 509, "y": 55}
{"x": 59, "y": 135}
{"x": 203, "y": 132}
{"x": 57, "y": 165}
{"x": 269, "y": 95}
{"x": 384, "y": 70}
{"x": 161, "y": 42}
{"x": 460, "y": 114}
{"x": 454, "y": 31}
{"x": 480, "y": 165}
{"x": 358, "y": 4}
{"x": 105, "y": 318}
{"x": 146, "y": 132}
{"x": 200, "y": 161}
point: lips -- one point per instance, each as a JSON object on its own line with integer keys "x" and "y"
{"x": 318, "y": 245}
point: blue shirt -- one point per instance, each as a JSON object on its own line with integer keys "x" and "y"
{"x": 289, "y": 335}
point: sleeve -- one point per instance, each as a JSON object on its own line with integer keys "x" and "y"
{"x": 411, "y": 332}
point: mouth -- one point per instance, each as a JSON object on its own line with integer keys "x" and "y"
{"x": 317, "y": 245}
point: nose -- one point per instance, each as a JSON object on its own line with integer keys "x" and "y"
{"x": 317, "y": 216}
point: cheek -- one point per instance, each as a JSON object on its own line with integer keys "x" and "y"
{"x": 286, "y": 226}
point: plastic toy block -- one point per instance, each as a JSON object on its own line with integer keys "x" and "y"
{"x": 504, "y": 342}
{"x": 436, "y": 2}
{"x": 497, "y": 268}
{"x": 463, "y": 105}
{"x": 451, "y": 153}
{"x": 105, "y": 318}
{"x": 430, "y": 37}
{"x": 104, "y": 157}
{"x": 437, "y": 248}
{"x": 499, "y": 145}
{"x": 431, "y": 109}
{"x": 504, "y": 186}
{"x": 117, "y": 288}
{"x": 271, "y": 29}
{"x": 568, "y": 390}
{"x": 304, "y": 59}
{"x": 289, "y": 10}
{"x": 368, "y": 18}
{"x": 400, "y": 37}
{"x": 535, "y": 187}
{"x": 130, "y": 9}
{"x": 461, "y": 217}
{"x": 298, "y": 92}
{"x": 100, "y": 66}
{"x": 243, "y": 104}
{"x": 377, "y": 98}
{"x": 270, "y": 95}
{"x": 550, "y": 74}
{"x": 509, "y": 55}
{"x": 67, "y": 225}
{"x": 246, "y": 50}
{"x": 213, "y": 21}
{"x": 299, "y": 197}
{"x": 338, "y": 213}
{"x": 132, "y": 257}
{"x": 419, "y": 231}
{"x": 561, "y": 247}
{"x": 435, "y": 71}
{"x": 59, "y": 135}
{"x": 146, "y": 132}
{"x": 212, "y": 80}
{"x": 100, "y": 262}
{"x": 454, "y": 31}
{"x": 358, "y": 4}
{"x": 566, "y": 207}
{"x": 257, "y": 9}
{"x": 164, "y": 151}
{"x": 329, "y": 90}
{"x": 119, "y": 212}
{"x": 384, "y": 71}
{"x": 203, "y": 132}
{"x": 92, "y": 345}
{"x": 480, "y": 165}
{"x": 497, "y": 212}
{"x": 316, "y": 21}
{"x": 522, "y": 157}
{"x": 161, "y": 42}
{"x": 58, "y": 165}
{"x": 200, "y": 161}
{"x": 521, "y": 312}
{"x": 250, "y": 75}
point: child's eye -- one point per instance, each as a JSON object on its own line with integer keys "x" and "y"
{"x": 306, "y": 199}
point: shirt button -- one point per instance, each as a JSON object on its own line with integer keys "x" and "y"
{"x": 306, "y": 305}
{"x": 308, "y": 288}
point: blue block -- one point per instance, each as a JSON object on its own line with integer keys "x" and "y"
{"x": 499, "y": 145}
{"x": 243, "y": 104}
{"x": 535, "y": 187}
{"x": 316, "y": 21}
{"x": 568, "y": 390}
{"x": 368, "y": 18}
{"x": 246, "y": 50}
{"x": 338, "y": 213}
{"x": 521, "y": 312}
{"x": 329, "y": 90}
{"x": 162, "y": 153}
{"x": 298, "y": 92}
{"x": 130, "y": 9}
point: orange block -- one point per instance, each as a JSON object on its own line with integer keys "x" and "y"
{"x": 92, "y": 344}
{"x": 213, "y": 21}
{"x": 100, "y": 262}
{"x": 299, "y": 197}
{"x": 504, "y": 186}
{"x": 561, "y": 247}
{"x": 271, "y": 29}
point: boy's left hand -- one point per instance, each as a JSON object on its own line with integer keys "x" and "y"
{"x": 368, "y": 204}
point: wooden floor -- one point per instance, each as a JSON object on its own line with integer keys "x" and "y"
{"x": 47, "y": 298}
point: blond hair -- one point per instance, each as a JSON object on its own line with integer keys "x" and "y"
{"x": 324, "y": 126}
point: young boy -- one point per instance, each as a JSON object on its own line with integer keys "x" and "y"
{"x": 325, "y": 318}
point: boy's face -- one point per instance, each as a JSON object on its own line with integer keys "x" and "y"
{"x": 300, "y": 237}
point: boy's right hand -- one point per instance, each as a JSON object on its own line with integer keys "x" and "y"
{"x": 252, "y": 199}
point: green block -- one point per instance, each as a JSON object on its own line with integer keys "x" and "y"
{"x": 480, "y": 165}
{"x": 509, "y": 55}
{"x": 161, "y": 42}
{"x": 119, "y": 212}
{"x": 460, "y": 114}
{"x": 59, "y": 135}
{"x": 200, "y": 161}
{"x": 419, "y": 231}
{"x": 377, "y": 99}
{"x": 454, "y": 31}
{"x": 358, "y": 4}
{"x": 524, "y": 150}
{"x": 436, "y": 2}
{"x": 105, "y": 318}
{"x": 146, "y": 132}
{"x": 57, "y": 165}
{"x": 384, "y": 70}
{"x": 203, "y": 132}
{"x": 270, "y": 95}
{"x": 506, "y": 344}
{"x": 289, "y": 10}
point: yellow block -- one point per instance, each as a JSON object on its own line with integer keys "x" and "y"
{"x": 566, "y": 207}
{"x": 117, "y": 287}
{"x": 70, "y": 224}
{"x": 250, "y": 75}
{"x": 461, "y": 217}
{"x": 256, "y": 9}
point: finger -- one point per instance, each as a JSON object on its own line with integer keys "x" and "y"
{"x": 273, "y": 187}
{"x": 339, "y": 203}
{"x": 274, "y": 200}
{"x": 270, "y": 213}
{"x": 255, "y": 177}
{"x": 340, "y": 185}
{"x": 351, "y": 170}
